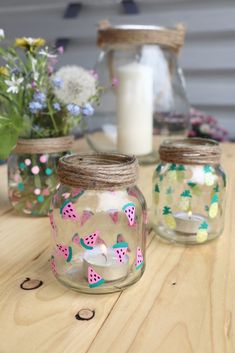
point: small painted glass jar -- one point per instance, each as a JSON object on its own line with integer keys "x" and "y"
{"x": 189, "y": 191}
{"x": 98, "y": 223}
{"x": 32, "y": 177}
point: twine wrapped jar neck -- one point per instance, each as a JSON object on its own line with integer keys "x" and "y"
{"x": 196, "y": 151}
{"x": 172, "y": 38}
{"x": 98, "y": 171}
{"x": 44, "y": 145}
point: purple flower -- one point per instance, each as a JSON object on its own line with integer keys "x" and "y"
{"x": 39, "y": 97}
{"x": 88, "y": 110}
{"x": 34, "y": 107}
{"x": 57, "y": 82}
{"x": 60, "y": 50}
{"x": 73, "y": 109}
{"x": 57, "y": 106}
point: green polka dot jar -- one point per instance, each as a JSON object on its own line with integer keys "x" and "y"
{"x": 98, "y": 222}
{"x": 189, "y": 187}
{"x": 32, "y": 173}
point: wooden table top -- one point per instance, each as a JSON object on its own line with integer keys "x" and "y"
{"x": 184, "y": 303}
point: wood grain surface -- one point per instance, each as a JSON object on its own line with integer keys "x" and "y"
{"x": 184, "y": 303}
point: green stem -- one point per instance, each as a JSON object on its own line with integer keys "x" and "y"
{"x": 52, "y": 117}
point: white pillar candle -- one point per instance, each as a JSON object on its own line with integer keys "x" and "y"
{"x": 135, "y": 109}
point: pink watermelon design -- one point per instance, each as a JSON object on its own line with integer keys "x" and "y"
{"x": 114, "y": 215}
{"x": 121, "y": 239}
{"x": 120, "y": 250}
{"x": 76, "y": 193}
{"x": 139, "y": 260}
{"x": 129, "y": 210}
{"x": 85, "y": 216}
{"x": 65, "y": 251}
{"x": 68, "y": 211}
{"x": 90, "y": 240}
{"x": 76, "y": 239}
{"x": 53, "y": 265}
{"x": 52, "y": 222}
{"x": 94, "y": 279}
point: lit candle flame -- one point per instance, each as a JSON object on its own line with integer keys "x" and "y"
{"x": 104, "y": 251}
{"x": 190, "y": 214}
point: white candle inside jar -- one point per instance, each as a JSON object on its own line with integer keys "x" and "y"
{"x": 135, "y": 109}
{"x": 187, "y": 222}
{"x": 104, "y": 261}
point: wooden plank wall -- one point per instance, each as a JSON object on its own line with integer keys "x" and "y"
{"x": 208, "y": 58}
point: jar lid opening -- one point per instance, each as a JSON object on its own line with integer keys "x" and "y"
{"x": 98, "y": 171}
{"x": 190, "y": 151}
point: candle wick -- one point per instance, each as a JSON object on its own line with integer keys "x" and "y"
{"x": 105, "y": 257}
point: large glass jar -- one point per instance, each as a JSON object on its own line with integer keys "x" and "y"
{"x": 143, "y": 90}
{"x": 189, "y": 191}
{"x": 32, "y": 173}
{"x": 98, "y": 223}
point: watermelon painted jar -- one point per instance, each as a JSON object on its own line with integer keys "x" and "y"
{"x": 189, "y": 191}
{"x": 98, "y": 223}
{"x": 32, "y": 173}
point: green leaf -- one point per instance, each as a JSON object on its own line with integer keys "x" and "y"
{"x": 8, "y": 139}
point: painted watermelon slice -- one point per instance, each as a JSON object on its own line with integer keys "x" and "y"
{"x": 52, "y": 222}
{"x": 139, "y": 261}
{"x": 76, "y": 239}
{"x": 121, "y": 239}
{"x": 94, "y": 279}
{"x": 53, "y": 265}
{"x": 114, "y": 215}
{"x": 85, "y": 216}
{"x": 90, "y": 240}
{"x": 120, "y": 250}
{"x": 65, "y": 251}
{"x": 68, "y": 211}
{"x": 129, "y": 210}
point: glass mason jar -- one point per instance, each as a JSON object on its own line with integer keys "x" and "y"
{"x": 32, "y": 173}
{"x": 98, "y": 223}
{"x": 189, "y": 191}
{"x": 143, "y": 90}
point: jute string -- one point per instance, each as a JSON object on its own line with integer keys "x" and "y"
{"x": 44, "y": 145}
{"x": 98, "y": 171}
{"x": 190, "y": 151}
{"x": 169, "y": 37}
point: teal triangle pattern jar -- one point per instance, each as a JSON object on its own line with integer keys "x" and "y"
{"x": 98, "y": 223}
{"x": 189, "y": 187}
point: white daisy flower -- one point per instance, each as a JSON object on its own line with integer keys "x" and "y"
{"x": 14, "y": 84}
{"x": 79, "y": 85}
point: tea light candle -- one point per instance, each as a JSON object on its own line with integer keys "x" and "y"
{"x": 135, "y": 109}
{"x": 104, "y": 261}
{"x": 188, "y": 222}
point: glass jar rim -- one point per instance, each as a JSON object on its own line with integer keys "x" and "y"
{"x": 196, "y": 151}
{"x": 98, "y": 171}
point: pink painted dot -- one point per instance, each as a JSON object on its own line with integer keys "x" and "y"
{"x": 27, "y": 161}
{"x": 46, "y": 192}
{"x": 16, "y": 177}
{"x": 35, "y": 170}
{"x": 43, "y": 158}
{"x": 37, "y": 191}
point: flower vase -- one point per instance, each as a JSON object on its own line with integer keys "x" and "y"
{"x": 32, "y": 173}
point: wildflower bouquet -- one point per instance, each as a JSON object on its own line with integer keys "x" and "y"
{"x": 35, "y": 102}
{"x": 38, "y": 109}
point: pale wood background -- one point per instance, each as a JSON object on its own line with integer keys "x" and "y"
{"x": 207, "y": 59}
{"x": 185, "y": 302}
